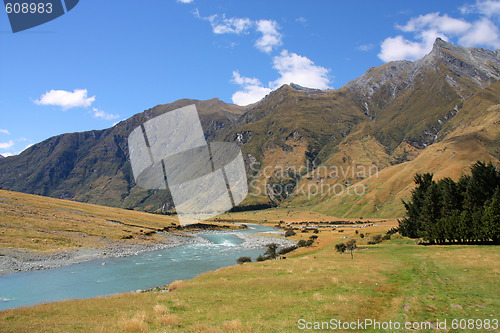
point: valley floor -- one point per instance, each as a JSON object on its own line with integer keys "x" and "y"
{"x": 395, "y": 280}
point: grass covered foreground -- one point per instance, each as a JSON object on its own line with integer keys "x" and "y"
{"x": 394, "y": 280}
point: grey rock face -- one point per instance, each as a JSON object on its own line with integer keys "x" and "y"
{"x": 481, "y": 66}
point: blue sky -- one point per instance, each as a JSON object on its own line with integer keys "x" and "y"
{"x": 105, "y": 61}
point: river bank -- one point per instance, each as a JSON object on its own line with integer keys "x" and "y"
{"x": 12, "y": 261}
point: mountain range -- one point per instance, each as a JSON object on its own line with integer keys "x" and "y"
{"x": 306, "y": 147}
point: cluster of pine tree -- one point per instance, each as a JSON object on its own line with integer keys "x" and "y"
{"x": 467, "y": 211}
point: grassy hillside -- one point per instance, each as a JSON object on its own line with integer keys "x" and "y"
{"x": 36, "y": 223}
{"x": 473, "y": 134}
{"x": 394, "y": 280}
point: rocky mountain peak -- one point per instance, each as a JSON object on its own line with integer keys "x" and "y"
{"x": 1, "y": 156}
{"x": 299, "y": 87}
{"x": 480, "y": 65}
{"x": 375, "y": 77}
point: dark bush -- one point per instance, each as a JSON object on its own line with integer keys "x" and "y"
{"x": 392, "y": 231}
{"x": 305, "y": 243}
{"x": 242, "y": 260}
{"x": 286, "y": 250}
{"x": 271, "y": 250}
{"x": 376, "y": 239}
{"x": 289, "y": 233}
{"x": 261, "y": 258}
{"x": 362, "y": 235}
{"x": 340, "y": 247}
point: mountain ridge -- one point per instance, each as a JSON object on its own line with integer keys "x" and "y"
{"x": 385, "y": 118}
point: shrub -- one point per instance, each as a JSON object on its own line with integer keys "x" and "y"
{"x": 362, "y": 235}
{"x": 301, "y": 243}
{"x": 271, "y": 250}
{"x": 316, "y": 231}
{"x": 340, "y": 247}
{"x": 286, "y": 250}
{"x": 305, "y": 243}
{"x": 313, "y": 237}
{"x": 375, "y": 239}
{"x": 289, "y": 233}
{"x": 357, "y": 232}
{"x": 261, "y": 258}
{"x": 242, "y": 260}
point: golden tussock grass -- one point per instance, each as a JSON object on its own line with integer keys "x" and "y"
{"x": 160, "y": 309}
{"x": 176, "y": 285}
{"x": 235, "y": 326}
{"x": 133, "y": 325}
{"x": 170, "y": 320}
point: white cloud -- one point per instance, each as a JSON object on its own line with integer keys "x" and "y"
{"x": 435, "y": 21}
{"x": 185, "y": 1}
{"x": 66, "y": 99}
{"x": 103, "y": 115}
{"x": 301, "y": 19}
{"x": 365, "y": 47}
{"x": 488, "y": 8}
{"x": 223, "y": 25}
{"x": 3, "y": 131}
{"x": 300, "y": 70}
{"x": 483, "y": 32}
{"x": 6, "y": 145}
{"x": 271, "y": 37}
{"x": 253, "y": 90}
{"x": 399, "y": 48}
{"x": 293, "y": 68}
{"x": 426, "y": 28}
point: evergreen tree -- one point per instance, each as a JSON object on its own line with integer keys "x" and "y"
{"x": 411, "y": 226}
{"x": 463, "y": 211}
{"x": 431, "y": 214}
{"x": 492, "y": 218}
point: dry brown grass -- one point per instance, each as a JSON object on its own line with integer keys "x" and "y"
{"x": 176, "y": 285}
{"x": 382, "y": 282}
{"x": 160, "y": 309}
{"x": 235, "y": 326}
{"x": 133, "y": 325}
{"x": 170, "y": 320}
{"x": 42, "y": 224}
